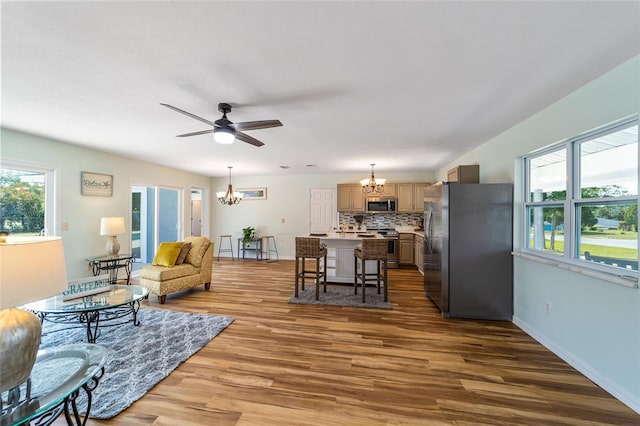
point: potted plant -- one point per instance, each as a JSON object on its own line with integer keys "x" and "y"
{"x": 248, "y": 234}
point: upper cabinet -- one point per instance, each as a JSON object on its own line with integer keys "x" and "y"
{"x": 418, "y": 196}
{"x": 464, "y": 174}
{"x": 389, "y": 190}
{"x": 405, "y": 198}
{"x": 410, "y": 197}
{"x": 350, "y": 198}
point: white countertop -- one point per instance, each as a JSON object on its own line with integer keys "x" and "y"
{"x": 356, "y": 236}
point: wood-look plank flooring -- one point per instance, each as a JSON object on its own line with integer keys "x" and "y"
{"x": 287, "y": 364}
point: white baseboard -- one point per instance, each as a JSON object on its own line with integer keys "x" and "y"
{"x": 629, "y": 400}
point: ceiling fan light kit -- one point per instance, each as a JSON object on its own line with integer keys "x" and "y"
{"x": 226, "y": 131}
{"x": 372, "y": 184}
{"x": 224, "y": 136}
{"x": 230, "y": 197}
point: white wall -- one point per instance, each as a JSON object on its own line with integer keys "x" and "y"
{"x": 83, "y": 213}
{"x": 594, "y": 325}
{"x": 288, "y": 198}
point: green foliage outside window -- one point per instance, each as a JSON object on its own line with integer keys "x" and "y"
{"x": 21, "y": 205}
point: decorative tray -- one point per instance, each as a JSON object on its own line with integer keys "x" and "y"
{"x": 366, "y": 235}
{"x": 318, "y": 234}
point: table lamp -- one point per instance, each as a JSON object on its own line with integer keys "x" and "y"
{"x": 112, "y": 226}
{"x": 31, "y": 269}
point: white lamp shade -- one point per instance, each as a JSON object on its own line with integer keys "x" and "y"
{"x": 31, "y": 269}
{"x": 112, "y": 225}
{"x": 223, "y": 136}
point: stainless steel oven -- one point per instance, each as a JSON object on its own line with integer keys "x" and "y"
{"x": 391, "y": 235}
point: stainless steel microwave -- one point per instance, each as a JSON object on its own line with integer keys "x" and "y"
{"x": 381, "y": 205}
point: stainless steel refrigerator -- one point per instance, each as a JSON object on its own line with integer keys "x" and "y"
{"x": 468, "y": 267}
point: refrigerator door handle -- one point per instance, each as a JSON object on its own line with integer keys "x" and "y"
{"x": 428, "y": 231}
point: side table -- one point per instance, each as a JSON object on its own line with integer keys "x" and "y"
{"x": 111, "y": 263}
{"x": 54, "y": 386}
{"x": 255, "y": 245}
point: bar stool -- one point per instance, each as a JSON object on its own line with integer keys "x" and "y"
{"x": 310, "y": 248}
{"x": 226, "y": 250}
{"x": 374, "y": 249}
{"x": 268, "y": 250}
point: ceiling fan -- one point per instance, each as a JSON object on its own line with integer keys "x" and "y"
{"x": 225, "y": 131}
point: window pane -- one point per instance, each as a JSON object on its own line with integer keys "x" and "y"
{"x": 548, "y": 179}
{"x": 22, "y": 202}
{"x": 608, "y": 233}
{"x": 609, "y": 164}
{"x": 546, "y": 229}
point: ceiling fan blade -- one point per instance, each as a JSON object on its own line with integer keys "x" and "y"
{"x": 204, "y": 120}
{"x": 202, "y": 132}
{"x": 254, "y": 125}
{"x": 248, "y": 139}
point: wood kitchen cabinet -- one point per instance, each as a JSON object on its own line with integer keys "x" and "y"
{"x": 405, "y": 198}
{"x": 418, "y": 197}
{"x": 411, "y": 197}
{"x": 464, "y": 174}
{"x": 406, "y": 249}
{"x": 419, "y": 253}
{"x": 350, "y": 198}
{"x": 389, "y": 190}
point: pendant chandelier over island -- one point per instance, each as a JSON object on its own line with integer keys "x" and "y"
{"x": 371, "y": 185}
{"x": 229, "y": 198}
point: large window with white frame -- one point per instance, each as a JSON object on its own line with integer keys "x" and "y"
{"x": 29, "y": 194}
{"x": 581, "y": 200}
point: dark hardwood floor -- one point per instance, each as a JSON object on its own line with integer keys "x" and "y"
{"x": 288, "y": 364}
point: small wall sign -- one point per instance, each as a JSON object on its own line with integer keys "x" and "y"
{"x": 96, "y": 184}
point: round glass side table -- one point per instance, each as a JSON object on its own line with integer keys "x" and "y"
{"x": 57, "y": 378}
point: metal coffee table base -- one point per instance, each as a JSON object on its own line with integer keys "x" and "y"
{"x": 94, "y": 319}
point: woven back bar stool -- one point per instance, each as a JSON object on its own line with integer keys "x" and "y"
{"x": 269, "y": 239}
{"x": 225, "y": 250}
{"x": 374, "y": 249}
{"x": 311, "y": 248}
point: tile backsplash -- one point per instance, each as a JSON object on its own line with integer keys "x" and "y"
{"x": 381, "y": 220}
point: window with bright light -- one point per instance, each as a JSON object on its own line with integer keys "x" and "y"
{"x": 27, "y": 198}
{"x": 582, "y": 200}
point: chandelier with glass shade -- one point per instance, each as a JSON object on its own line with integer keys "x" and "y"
{"x": 230, "y": 197}
{"x": 372, "y": 185}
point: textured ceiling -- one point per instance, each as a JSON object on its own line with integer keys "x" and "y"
{"x": 406, "y": 85}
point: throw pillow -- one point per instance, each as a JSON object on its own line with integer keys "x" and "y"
{"x": 183, "y": 253}
{"x": 167, "y": 254}
{"x": 199, "y": 246}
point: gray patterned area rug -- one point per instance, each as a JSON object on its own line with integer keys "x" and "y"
{"x": 340, "y": 295}
{"x": 139, "y": 357}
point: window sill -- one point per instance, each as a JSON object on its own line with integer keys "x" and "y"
{"x": 623, "y": 280}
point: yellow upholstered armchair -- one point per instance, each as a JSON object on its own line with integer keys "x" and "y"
{"x": 178, "y": 266}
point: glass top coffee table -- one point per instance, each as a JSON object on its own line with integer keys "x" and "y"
{"x": 118, "y": 304}
{"x": 57, "y": 378}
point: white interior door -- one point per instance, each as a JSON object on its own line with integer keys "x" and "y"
{"x": 323, "y": 209}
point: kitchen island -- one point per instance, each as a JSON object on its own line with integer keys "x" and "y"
{"x": 340, "y": 259}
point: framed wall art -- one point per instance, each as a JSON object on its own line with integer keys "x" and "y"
{"x": 253, "y": 193}
{"x": 96, "y": 184}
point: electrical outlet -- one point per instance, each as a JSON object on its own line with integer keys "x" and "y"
{"x": 548, "y": 308}
{"x": 282, "y": 220}
{"x": 65, "y": 226}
